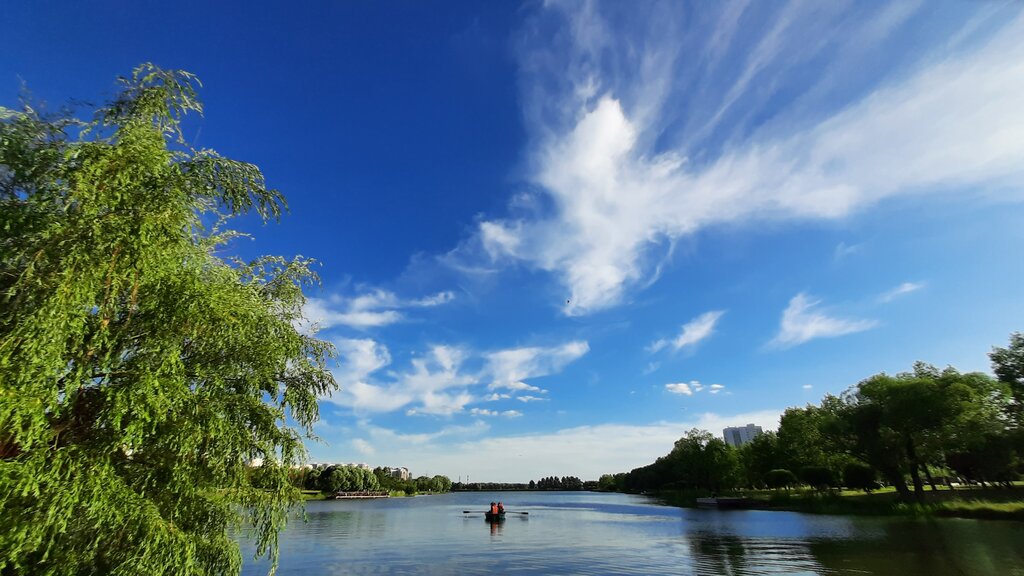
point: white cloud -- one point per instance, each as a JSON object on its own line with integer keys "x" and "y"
{"x": 692, "y": 332}
{"x": 361, "y": 357}
{"x": 692, "y": 387}
{"x": 952, "y": 124}
{"x": 363, "y": 447}
{"x": 584, "y": 451}
{"x": 427, "y": 384}
{"x": 528, "y": 398}
{"x": 369, "y": 310}
{"x": 807, "y": 386}
{"x": 438, "y": 382}
{"x": 509, "y": 368}
{"x": 679, "y": 388}
{"x": 801, "y": 323}
{"x": 902, "y": 289}
{"x": 505, "y": 413}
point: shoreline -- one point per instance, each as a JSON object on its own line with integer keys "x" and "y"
{"x": 972, "y": 503}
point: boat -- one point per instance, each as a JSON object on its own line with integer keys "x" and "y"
{"x": 491, "y": 517}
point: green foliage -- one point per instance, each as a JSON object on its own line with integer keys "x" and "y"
{"x": 902, "y": 424}
{"x": 817, "y": 477}
{"x": 556, "y": 483}
{"x": 800, "y": 439}
{"x": 758, "y": 457}
{"x": 431, "y": 484}
{"x": 780, "y": 478}
{"x": 988, "y": 458}
{"x": 1008, "y": 365}
{"x": 140, "y": 371}
{"x": 346, "y": 479}
{"x": 893, "y": 427}
{"x": 858, "y": 476}
{"x": 607, "y": 483}
{"x": 697, "y": 462}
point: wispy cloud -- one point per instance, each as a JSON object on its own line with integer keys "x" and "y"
{"x": 363, "y": 447}
{"x": 902, "y": 289}
{"x": 438, "y": 382}
{"x": 692, "y": 332}
{"x": 802, "y": 323}
{"x": 618, "y": 193}
{"x": 843, "y": 250}
{"x": 528, "y": 398}
{"x": 509, "y": 368}
{"x": 368, "y": 310}
{"x": 486, "y": 412}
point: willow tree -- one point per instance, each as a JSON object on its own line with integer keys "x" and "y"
{"x": 140, "y": 371}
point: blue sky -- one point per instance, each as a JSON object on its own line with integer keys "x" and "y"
{"x": 555, "y": 236}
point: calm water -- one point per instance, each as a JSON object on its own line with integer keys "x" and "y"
{"x": 589, "y": 533}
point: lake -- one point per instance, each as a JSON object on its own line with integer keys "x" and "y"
{"x": 596, "y": 533}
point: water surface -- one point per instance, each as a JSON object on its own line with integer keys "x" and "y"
{"x": 593, "y": 533}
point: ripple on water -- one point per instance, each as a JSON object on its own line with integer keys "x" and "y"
{"x": 607, "y": 534}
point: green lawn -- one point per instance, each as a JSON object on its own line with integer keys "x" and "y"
{"x": 962, "y": 502}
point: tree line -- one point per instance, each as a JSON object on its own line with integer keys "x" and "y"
{"x": 546, "y": 483}
{"x": 342, "y": 478}
{"x": 922, "y": 427}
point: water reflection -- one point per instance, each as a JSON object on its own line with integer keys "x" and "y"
{"x": 496, "y": 525}
{"x": 730, "y": 555}
{"x": 574, "y": 533}
{"x": 930, "y": 547}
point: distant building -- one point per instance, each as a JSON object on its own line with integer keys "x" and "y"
{"x": 739, "y": 435}
{"x": 400, "y": 473}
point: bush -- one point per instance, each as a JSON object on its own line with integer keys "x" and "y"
{"x": 779, "y": 478}
{"x": 817, "y": 477}
{"x": 857, "y": 476}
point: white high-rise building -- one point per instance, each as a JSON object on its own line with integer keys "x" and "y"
{"x": 739, "y": 435}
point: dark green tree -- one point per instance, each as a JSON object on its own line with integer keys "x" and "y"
{"x": 780, "y": 478}
{"x": 606, "y": 483}
{"x": 758, "y": 457}
{"x": 140, "y": 370}
{"x": 817, "y": 477}
{"x": 702, "y": 461}
{"x": 800, "y": 441}
{"x": 1008, "y": 365}
{"x": 902, "y": 425}
{"x": 859, "y": 476}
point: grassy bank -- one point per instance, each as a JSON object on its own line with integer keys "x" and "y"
{"x": 980, "y": 503}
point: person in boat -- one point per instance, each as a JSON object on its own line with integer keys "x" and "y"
{"x": 501, "y": 508}
{"x": 494, "y": 509}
